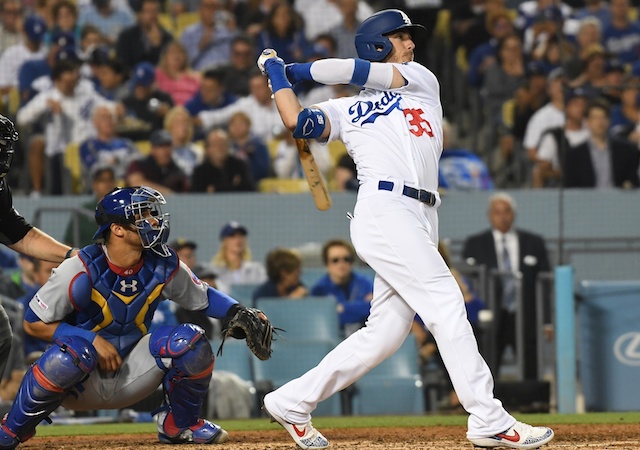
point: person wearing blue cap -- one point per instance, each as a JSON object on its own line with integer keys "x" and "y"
{"x": 34, "y": 29}
{"x": 109, "y": 19}
{"x": 147, "y": 104}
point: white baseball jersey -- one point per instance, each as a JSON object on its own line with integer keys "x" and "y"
{"x": 395, "y": 133}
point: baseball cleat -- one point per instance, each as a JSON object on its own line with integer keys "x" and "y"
{"x": 304, "y": 434}
{"x": 203, "y": 432}
{"x": 520, "y": 435}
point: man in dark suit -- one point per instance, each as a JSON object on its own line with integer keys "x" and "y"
{"x": 516, "y": 251}
{"x": 601, "y": 162}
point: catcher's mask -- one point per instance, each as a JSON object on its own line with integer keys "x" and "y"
{"x": 8, "y": 135}
{"x": 140, "y": 207}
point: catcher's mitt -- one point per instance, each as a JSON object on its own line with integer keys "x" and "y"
{"x": 248, "y": 324}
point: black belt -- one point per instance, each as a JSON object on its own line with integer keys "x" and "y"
{"x": 419, "y": 194}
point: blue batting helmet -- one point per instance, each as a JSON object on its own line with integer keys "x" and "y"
{"x": 372, "y": 42}
{"x": 140, "y": 207}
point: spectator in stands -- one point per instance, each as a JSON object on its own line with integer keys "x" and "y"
{"x": 8, "y": 260}
{"x": 259, "y": 106}
{"x": 345, "y": 32}
{"x": 174, "y": 76}
{"x": 601, "y": 162}
{"x": 283, "y": 32}
{"x": 589, "y": 34}
{"x": 82, "y": 225}
{"x": 529, "y": 97}
{"x": 626, "y": 116}
{"x": 232, "y": 262}
{"x": 186, "y": 154}
{"x": 460, "y": 169}
{"x": 12, "y": 59}
{"x": 20, "y": 281}
{"x": 33, "y": 347}
{"x": 468, "y": 25}
{"x": 220, "y": 171}
{"x": 284, "y": 268}
{"x": 112, "y": 78}
{"x": 622, "y": 36}
{"x": 65, "y": 19}
{"x": 247, "y": 147}
{"x": 353, "y": 291}
{"x": 530, "y": 11}
{"x": 145, "y": 40}
{"x": 614, "y": 72}
{"x": 213, "y": 93}
{"x": 598, "y": 9}
{"x": 90, "y": 39}
{"x": 345, "y": 174}
{"x": 186, "y": 251}
{"x": 158, "y": 170}
{"x": 241, "y": 66}
{"x": 67, "y": 107}
{"x": 503, "y": 78}
{"x": 331, "y": 13}
{"x": 548, "y": 26}
{"x": 107, "y": 18}
{"x": 593, "y": 76}
{"x": 287, "y": 161}
{"x": 106, "y": 148}
{"x": 208, "y": 42}
{"x": 499, "y": 26}
{"x": 35, "y": 74}
{"x": 512, "y": 251}
{"x": 556, "y": 141}
{"x": 146, "y": 106}
{"x": 550, "y": 115}
{"x": 10, "y": 22}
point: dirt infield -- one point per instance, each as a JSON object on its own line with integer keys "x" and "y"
{"x": 568, "y": 437}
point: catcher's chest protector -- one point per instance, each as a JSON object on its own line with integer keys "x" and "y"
{"x": 120, "y": 306}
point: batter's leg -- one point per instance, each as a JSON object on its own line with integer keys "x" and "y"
{"x": 386, "y": 329}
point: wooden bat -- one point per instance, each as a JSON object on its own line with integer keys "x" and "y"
{"x": 316, "y": 182}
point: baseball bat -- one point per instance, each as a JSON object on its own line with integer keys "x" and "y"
{"x": 317, "y": 185}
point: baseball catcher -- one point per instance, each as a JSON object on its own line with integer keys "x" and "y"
{"x": 96, "y": 309}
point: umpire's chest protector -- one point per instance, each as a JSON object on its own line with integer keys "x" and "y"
{"x": 117, "y": 303}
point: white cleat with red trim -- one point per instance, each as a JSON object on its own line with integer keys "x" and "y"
{"x": 520, "y": 435}
{"x": 304, "y": 434}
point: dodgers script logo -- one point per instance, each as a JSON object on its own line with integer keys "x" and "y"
{"x": 371, "y": 110}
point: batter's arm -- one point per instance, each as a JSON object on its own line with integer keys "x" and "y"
{"x": 358, "y": 72}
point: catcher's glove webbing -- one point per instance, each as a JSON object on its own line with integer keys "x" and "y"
{"x": 247, "y": 323}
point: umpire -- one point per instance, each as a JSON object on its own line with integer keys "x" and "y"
{"x": 16, "y": 233}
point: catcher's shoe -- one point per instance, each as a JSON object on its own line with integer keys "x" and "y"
{"x": 203, "y": 432}
{"x": 520, "y": 435}
{"x": 304, "y": 434}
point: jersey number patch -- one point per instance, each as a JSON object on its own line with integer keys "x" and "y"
{"x": 417, "y": 124}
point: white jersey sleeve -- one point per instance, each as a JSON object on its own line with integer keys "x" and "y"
{"x": 421, "y": 83}
{"x": 51, "y": 303}
{"x": 186, "y": 289}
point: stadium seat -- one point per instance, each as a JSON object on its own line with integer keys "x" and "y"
{"x": 306, "y": 319}
{"x": 290, "y": 360}
{"x": 73, "y": 164}
{"x": 393, "y": 387}
{"x": 144, "y": 147}
{"x": 236, "y": 357}
{"x": 243, "y": 292}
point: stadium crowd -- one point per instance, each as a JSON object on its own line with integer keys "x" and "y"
{"x": 168, "y": 94}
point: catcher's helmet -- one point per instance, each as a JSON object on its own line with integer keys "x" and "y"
{"x": 8, "y": 135}
{"x": 372, "y": 42}
{"x": 140, "y": 207}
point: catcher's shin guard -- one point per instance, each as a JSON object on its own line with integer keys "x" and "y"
{"x": 45, "y": 385}
{"x": 185, "y": 384}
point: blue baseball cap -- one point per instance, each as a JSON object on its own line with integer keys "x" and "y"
{"x": 160, "y": 138}
{"x": 63, "y": 39}
{"x": 144, "y": 74}
{"x": 232, "y": 228}
{"x": 67, "y": 54}
{"x": 35, "y": 28}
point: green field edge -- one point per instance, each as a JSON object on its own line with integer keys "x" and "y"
{"x": 347, "y": 422}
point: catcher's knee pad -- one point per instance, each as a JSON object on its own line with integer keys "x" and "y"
{"x": 46, "y": 384}
{"x": 186, "y": 381}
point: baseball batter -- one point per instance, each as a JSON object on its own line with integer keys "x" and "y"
{"x": 393, "y": 132}
{"x": 96, "y": 309}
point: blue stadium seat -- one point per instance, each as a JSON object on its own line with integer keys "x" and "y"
{"x": 305, "y": 319}
{"x": 243, "y": 292}
{"x": 393, "y": 387}
{"x": 236, "y": 357}
{"x": 291, "y": 359}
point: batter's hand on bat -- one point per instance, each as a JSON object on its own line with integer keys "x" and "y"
{"x": 267, "y": 53}
{"x": 108, "y": 357}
